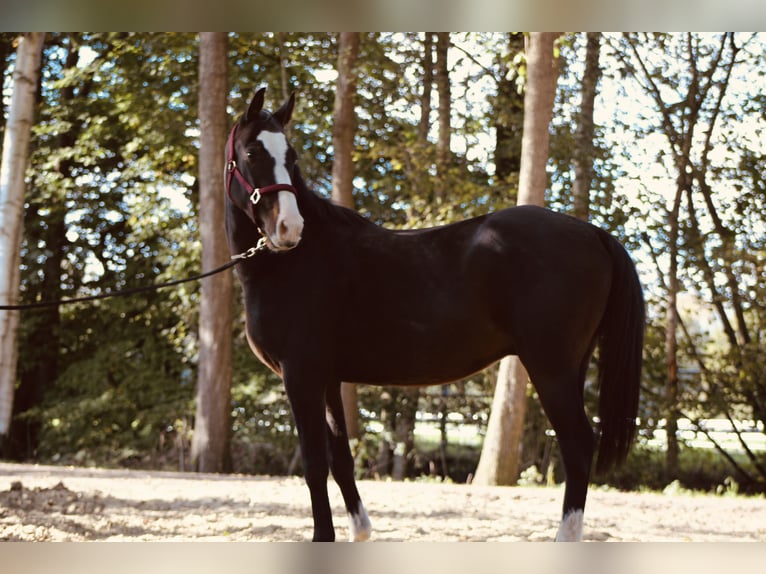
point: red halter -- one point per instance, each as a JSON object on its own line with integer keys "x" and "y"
{"x": 232, "y": 170}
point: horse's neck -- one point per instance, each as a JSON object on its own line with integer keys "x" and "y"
{"x": 318, "y": 210}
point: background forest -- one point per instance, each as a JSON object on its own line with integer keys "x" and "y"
{"x": 658, "y": 138}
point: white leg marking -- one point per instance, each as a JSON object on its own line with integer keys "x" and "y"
{"x": 570, "y": 529}
{"x": 359, "y": 525}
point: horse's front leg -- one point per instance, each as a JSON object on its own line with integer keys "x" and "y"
{"x": 307, "y": 399}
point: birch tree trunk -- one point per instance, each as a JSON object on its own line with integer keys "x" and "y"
{"x": 12, "y": 171}
{"x": 44, "y": 333}
{"x": 501, "y": 453}
{"x": 212, "y": 424}
{"x": 344, "y": 126}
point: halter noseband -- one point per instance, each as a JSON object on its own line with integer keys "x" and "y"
{"x": 255, "y": 193}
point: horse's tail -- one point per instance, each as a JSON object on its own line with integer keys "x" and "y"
{"x": 620, "y": 357}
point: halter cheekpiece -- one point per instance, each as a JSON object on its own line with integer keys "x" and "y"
{"x": 254, "y": 193}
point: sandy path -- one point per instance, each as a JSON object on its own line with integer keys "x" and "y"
{"x": 53, "y": 503}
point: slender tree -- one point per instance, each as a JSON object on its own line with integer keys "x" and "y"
{"x": 344, "y": 127}
{"x": 428, "y": 79}
{"x": 509, "y": 117}
{"x": 406, "y": 399}
{"x": 445, "y": 106}
{"x": 690, "y": 117}
{"x": 583, "y": 156}
{"x": 501, "y": 453}
{"x": 12, "y": 171}
{"x": 43, "y": 332}
{"x": 212, "y": 425}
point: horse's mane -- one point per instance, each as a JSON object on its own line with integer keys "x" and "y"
{"x": 324, "y": 208}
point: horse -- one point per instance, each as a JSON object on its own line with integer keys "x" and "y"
{"x": 330, "y": 296}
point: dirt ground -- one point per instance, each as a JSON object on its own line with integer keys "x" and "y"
{"x": 44, "y": 503}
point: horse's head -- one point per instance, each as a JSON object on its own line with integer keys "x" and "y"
{"x": 259, "y": 167}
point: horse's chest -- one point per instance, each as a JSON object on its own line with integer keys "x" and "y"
{"x": 281, "y": 327}
{"x": 261, "y": 350}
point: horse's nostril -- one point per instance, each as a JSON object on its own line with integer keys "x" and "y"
{"x": 283, "y": 229}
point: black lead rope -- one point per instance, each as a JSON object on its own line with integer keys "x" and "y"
{"x": 236, "y": 259}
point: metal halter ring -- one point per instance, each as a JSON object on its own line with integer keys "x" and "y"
{"x": 255, "y": 197}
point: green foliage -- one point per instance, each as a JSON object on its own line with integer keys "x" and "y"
{"x": 121, "y": 387}
{"x": 699, "y": 470}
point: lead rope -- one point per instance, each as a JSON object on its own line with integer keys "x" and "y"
{"x": 235, "y": 260}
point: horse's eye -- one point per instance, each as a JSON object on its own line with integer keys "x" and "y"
{"x": 253, "y": 151}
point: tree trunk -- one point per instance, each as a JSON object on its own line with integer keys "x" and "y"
{"x": 443, "y": 89}
{"x": 212, "y": 427}
{"x": 542, "y": 73}
{"x": 42, "y": 335}
{"x": 12, "y": 171}
{"x": 583, "y": 156}
{"x": 406, "y": 399}
{"x": 406, "y": 407}
{"x": 281, "y": 38}
{"x": 428, "y": 79}
{"x": 509, "y": 114}
{"x": 671, "y": 342}
{"x": 283, "y": 54}
{"x": 500, "y": 455}
{"x": 6, "y": 48}
{"x": 344, "y": 128}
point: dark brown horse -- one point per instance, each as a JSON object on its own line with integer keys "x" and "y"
{"x": 331, "y": 297}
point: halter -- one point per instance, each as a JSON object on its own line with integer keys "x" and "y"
{"x": 255, "y": 193}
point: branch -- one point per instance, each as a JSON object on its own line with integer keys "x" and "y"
{"x": 726, "y": 236}
{"x": 753, "y": 459}
{"x": 698, "y": 425}
{"x": 652, "y": 88}
{"x": 707, "y": 272}
{"x": 476, "y": 62}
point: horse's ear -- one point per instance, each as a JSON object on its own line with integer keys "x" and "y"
{"x": 283, "y": 114}
{"x": 256, "y": 105}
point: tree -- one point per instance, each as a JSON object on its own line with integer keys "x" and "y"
{"x": 212, "y": 427}
{"x": 584, "y": 146}
{"x": 692, "y": 113}
{"x": 508, "y": 110}
{"x": 445, "y": 106}
{"x": 499, "y": 462}
{"x": 405, "y": 400}
{"x": 43, "y": 331}
{"x": 344, "y": 128}
{"x": 12, "y": 174}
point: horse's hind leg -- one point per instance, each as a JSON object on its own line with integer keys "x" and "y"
{"x": 562, "y": 400}
{"x": 342, "y": 466}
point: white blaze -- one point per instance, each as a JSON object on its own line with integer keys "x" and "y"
{"x": 289, "y": 226}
